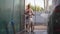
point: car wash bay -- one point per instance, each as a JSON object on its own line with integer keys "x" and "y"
{"x": 12, "y": 19}
{"x": 11, "y": 16}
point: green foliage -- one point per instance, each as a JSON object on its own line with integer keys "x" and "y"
{"x": 37, "y": 8}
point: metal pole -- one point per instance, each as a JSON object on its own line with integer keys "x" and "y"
{"x": 44, "y": 4}
{"x": 35, "y": 10}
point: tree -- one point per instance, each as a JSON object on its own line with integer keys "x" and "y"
{"x": 37, "y": 8}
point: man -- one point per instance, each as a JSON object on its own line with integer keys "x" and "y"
{"x": 28, "y": 16}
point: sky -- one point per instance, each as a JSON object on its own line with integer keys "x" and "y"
{"x": 37, "y": 2}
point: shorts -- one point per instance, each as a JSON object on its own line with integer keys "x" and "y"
{"x": 29, "y": 21}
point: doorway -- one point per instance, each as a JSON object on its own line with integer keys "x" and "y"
{"x": 42, "y": 10}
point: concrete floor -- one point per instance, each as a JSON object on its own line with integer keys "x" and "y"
{"x": 39, "y": 29}
{"x": 36, "y": 32}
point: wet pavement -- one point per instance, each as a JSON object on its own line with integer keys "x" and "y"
{"x": 36, "y": 32}
{"x": 39, "y": 29}
{"x": 40, "y": 32}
